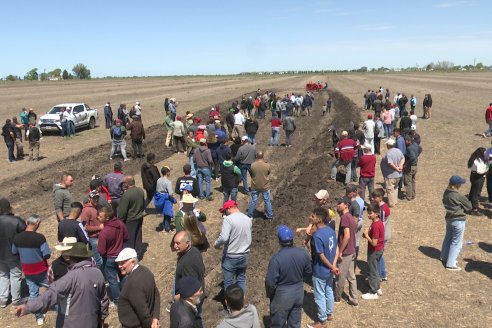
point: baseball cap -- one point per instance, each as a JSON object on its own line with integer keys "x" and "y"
{"x": 456, "y": 180}
{"x": 284, "y": 233}
{"x": 126, "y": 254}
{"x": 93, "y": 194}
{"x": 344, "y": 133}
{"x": 227, "y": 205}
{"x": 391, "y": 141}
{"x": 369, "y": 115}
{"x": 351, "y": 188}
{"x": 366, "y": 145}
{"x": 203, "y": 140}
{"x": 343, "y": 199}
{"x": 322, "y": 194}
{"x": 244, "y": 138}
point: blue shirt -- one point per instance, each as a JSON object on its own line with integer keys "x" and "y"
{"x": 325, "y": 242}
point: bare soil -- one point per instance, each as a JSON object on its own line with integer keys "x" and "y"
{"x": 419, "y": 293}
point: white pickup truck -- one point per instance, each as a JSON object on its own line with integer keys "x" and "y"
{"x": 84, "y": 116}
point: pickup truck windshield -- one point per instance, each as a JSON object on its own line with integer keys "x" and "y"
{"x": 55, "y": 110}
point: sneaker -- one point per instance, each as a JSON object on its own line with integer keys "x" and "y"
{"x": 379, "y": 292}
{"x": 456, "y": 268}
{"x": 337, "y": 300}
{"x": 40, "y": 321}
{"x": 111, "y": 158}
{"x": 316, "y": 324}
{"x": 384, "y": 279}
{"x": 370, "y": 296}
{"x": 126, "y": 160}
{"x": 3, "y": 304}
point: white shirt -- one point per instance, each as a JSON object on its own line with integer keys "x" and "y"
{"x": 369, "y": 128}
{"x": 239, "y": 119}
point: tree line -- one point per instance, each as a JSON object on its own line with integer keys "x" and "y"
{"x": 80, "y": 71}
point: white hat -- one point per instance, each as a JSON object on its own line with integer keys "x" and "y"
{"x": 66, "y": 244}
{"x": 244, "y": 138}
{"x": 126, "y": 254}
{"x": 138, "y": 103}
{"x": 188, "y": 198}
{"x": 344, "y": 133}
{"x": 366, "y": 145}
{"x": 391, "y": 142}
{"x": 322, "y": 194}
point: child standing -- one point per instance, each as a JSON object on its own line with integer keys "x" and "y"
{"x": 384, "y": 216}
{"x": 375, "y": 246}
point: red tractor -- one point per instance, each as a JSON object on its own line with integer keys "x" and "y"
{"x": 311, "y": 86}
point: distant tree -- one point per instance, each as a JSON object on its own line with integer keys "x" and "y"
{"x": 31, "y": 75}
{"x": 479, "y": 66}
{"x": 81, "y": 71}
{"x": 65, "y": 74}
{"x": 55, "y": 73}
{"x": 43, "y": 76}
{"x": 11, "y": 77}
{"x": 363, "y": 69}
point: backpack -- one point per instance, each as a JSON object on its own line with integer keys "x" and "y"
{"x": 117, "y": 133}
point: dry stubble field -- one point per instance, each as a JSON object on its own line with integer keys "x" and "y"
{"x": 419, "y": 292}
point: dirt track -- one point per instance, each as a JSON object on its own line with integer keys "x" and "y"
{"x": 419, "y": 293}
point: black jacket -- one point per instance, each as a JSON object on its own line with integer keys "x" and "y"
{"x": 10, "y": 226}
{"x": 184, "y": 316}
{"x": 190, "y": 264}
{"x": 150, "y": 175}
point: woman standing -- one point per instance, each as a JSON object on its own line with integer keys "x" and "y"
{"x": 478, "y": 166}
{"x": 455, "y": 205}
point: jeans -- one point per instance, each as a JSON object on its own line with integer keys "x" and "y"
{"x": 254, "y": 200}
{"x": 372, "y": 266}
{"x": 453, "y": 241}
{"x": 234, "y": 271}
{"x": 252, "y": 138}
{"x": 409, "y": 178}
{"x": 93, "y": 248}
{"x": 275, "y": 136}
{"x": 382, "y": 267}
{"x": 121, "y": 144}
{"x": 363, "y": 182}
{"x": 489, "y": 130}
{"x": 244, "y": 174}
{"x": 70, "y": 128}
{"x": 112, "y": 274}
{"x": 10, "y": 148}
{"x": 64, "y": 129}
{"x": 166, "y": 223}
{"x": 192, "y": 164}
{"x": 33, "y": 283}
{"x": 288, "y": 137}
{"x": 348, "y": 170}
{"x": 204, "y": 172}
{"x": 229, "y": 192}
{"x": 388, "y": 130}
{"x": 286, "y": 306}
{"x": 10, "y": 279}
{"x": 323, "y": 297}
{"x": 137, "y": 148}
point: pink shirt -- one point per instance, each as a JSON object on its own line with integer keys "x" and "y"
{"x": 386, "y": 116}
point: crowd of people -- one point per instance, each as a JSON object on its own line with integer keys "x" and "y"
{"x": 14, "y": 132}
{"x": 100, "y": 237}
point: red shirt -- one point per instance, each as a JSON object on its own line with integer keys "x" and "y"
{"x": 376, "y": 231}
{"x": 111, "y": 238}
{"x": 384, "y": 212}
{"x": 347, "y": 221}
{"x": 345, "y": 149}
{"x": 488, "y": 114}
{"x": 367, "y": 164}
{"x": 276, "y": 122}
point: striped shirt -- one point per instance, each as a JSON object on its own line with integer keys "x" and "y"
{"x": 33, "y": 251}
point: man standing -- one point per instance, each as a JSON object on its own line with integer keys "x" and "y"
{"x": 344, "y": 153}
{"x": 108, "y": 115}
{"x": 34, "y": 252}
{"x": 235, "y": 236}
{"x": 184, "y": 311}
{"x": 137, "y": 134}
{"x": 33, "y": 135}
{"x": 187, "y": 180}
{"x": 245, "y": 157}
{"x": 289, "y": 126}
{"x": 230, "y": 177}
{"x": 260, "y": 186}
{"x": 150, "y": 175}
{"x": 10, "y": 268}
{"x": 391, "y": 168}
{"x": 9, "y": 138}
{"x": 140, "y": 301}
{"x": 412, "y": 154}
{"x": 62, "y": 198}
{"x": 18, "y": 127}
{"x": 80, "y": 294}
{"x": 91, "y": 224}
{"x": 70, "y": 226}
{"x": 203, "y": 159}
{"x": 367, "y": 164}
{"x": 118, "y": 133}
{"x": 368, "y": 127}
{"x": 109, "y": 245}
{"x": 179, "y": 134}
{"x": 284, "y": 282}
{"x": 324, "y": 266}
{"x": 346, "y": 251}
{"x": 114, "y": 181}
{"x": 131, "y": 211}
{"x": 488, "y": 121}
{"x": 239, "y": 121}
{"x": 169, "y": 126}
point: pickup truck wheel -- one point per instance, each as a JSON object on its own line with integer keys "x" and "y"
{"x": 92, "y": 123}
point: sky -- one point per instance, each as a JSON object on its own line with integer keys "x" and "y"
{"x": 160, "y": 37}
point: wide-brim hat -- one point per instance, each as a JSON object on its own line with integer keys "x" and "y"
{"x": 188, "y": 198}
{"x": 66, "y": 244}
{"x": 79, "y": 250}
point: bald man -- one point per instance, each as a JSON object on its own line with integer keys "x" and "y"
{"x": 260, "y": 185}
{"x": 131, "y": 211}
